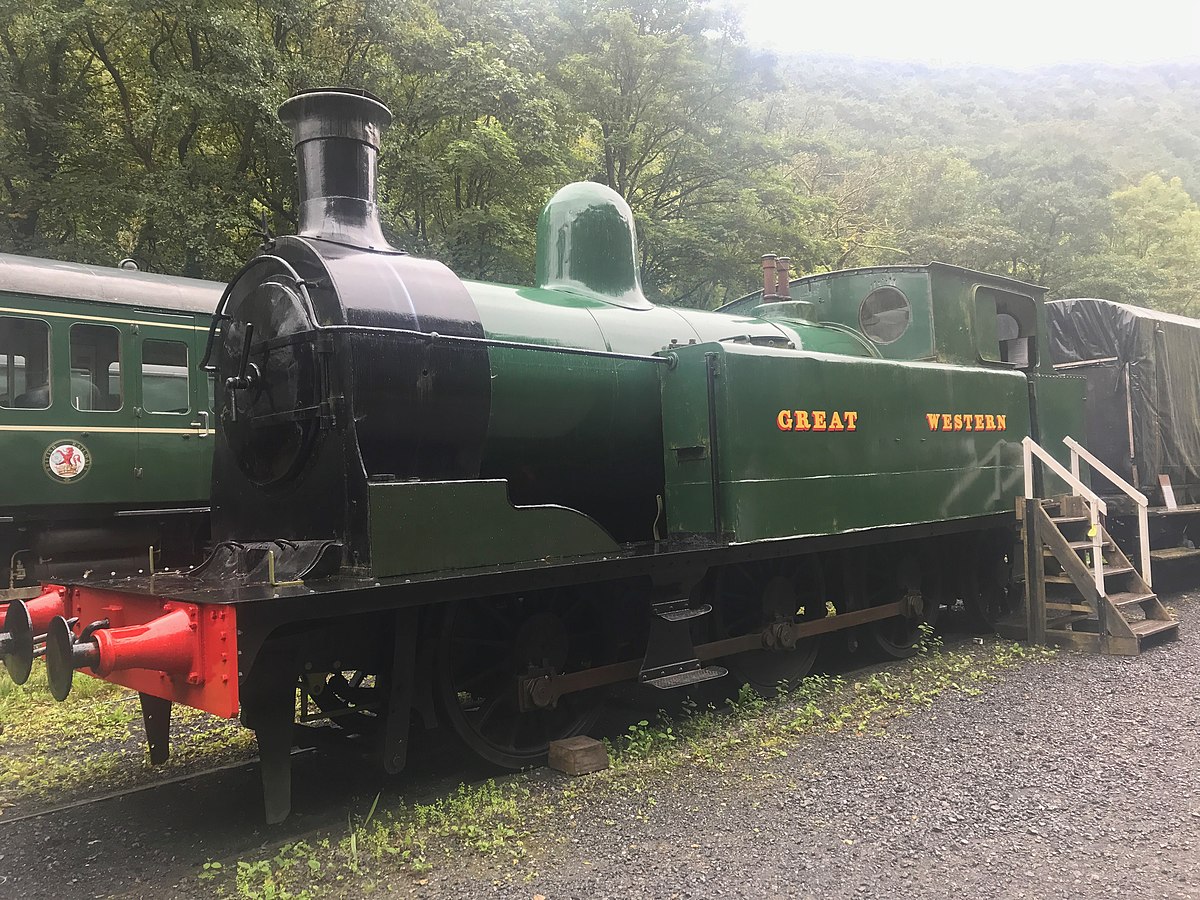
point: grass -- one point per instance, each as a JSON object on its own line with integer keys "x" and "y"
{"x": 503, "y": 823}
{"x": 94, "y": 742}
{"x": 490, "y": 820}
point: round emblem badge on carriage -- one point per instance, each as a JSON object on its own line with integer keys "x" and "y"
{"x": 66, "y": 461}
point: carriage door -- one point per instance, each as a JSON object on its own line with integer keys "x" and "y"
{"x": 173, "y": 434}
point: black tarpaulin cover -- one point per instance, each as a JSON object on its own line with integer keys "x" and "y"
{"x": 1162, "y": 353}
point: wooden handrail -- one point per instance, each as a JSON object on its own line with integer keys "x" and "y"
{"x": 1031, "y": 447}
{"x": 1096, "y": 506}
{"x": 1077, "y": 451}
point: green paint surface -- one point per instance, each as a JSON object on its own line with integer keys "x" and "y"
{"x": 135, "y": 459}
{"x": 586, "y": 245}
{"x": 436, "y": 525}
{"x": 892, "y": 469}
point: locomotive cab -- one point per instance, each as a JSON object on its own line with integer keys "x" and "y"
{"x": 935, "y": 313}
{"x": 941, "y": 313}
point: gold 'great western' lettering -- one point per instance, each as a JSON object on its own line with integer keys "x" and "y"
{"x": 966, "y": 421}
{"x": 817, "y": 420}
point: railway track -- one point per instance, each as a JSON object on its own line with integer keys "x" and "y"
{"x": 624, "y": 704}
{"x": 181, "y": 778}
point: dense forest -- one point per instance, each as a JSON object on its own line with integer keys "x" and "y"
{"x": 146, "y": 128}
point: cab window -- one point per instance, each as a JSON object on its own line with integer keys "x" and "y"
{"x": 165, "y": 377}
{"x": 24, "y": 363}
{"x": 96, "y": 368}
{"x": 1006, "y": 327}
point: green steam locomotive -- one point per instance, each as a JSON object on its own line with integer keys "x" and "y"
{"x": 478, "y": 503}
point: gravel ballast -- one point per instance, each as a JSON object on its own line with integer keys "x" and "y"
{"x": 1074, "y": 777}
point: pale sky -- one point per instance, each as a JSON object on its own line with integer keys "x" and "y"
{"x": 1008, "y": 33}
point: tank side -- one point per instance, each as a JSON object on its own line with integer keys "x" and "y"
{"x": 817, "y": 444}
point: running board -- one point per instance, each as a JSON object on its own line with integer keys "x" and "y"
{"x": 683, "y": 679}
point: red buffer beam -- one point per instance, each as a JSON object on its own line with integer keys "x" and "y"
{"x": 182, "y": 652}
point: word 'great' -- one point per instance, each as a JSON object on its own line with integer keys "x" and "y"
{"x": 816, "y": 420}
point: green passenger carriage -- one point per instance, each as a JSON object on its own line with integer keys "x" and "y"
{"x": 104, "y": 420}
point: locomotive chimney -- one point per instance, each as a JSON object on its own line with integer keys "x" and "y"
{"x": 769, "y": 277}
{"x": 783, "y": 288}
{"x": 336, "y": 136}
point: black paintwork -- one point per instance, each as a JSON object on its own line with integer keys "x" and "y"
{"x": 309, "y": 415}
{"x": 262, "y": 609}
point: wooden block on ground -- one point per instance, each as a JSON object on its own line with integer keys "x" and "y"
{"x": 579, "y": 755}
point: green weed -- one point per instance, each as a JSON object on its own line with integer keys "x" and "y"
{"x": 95, "y": 741}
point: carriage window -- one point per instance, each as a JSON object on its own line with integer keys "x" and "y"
{"x": 885, "y": 315}
{"x": 24, "y": 363}
{"x": 165, "y": 377}
{"x": 96, "y": 368}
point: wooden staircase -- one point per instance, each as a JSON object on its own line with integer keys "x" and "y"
{"x": 1067, "y": 601}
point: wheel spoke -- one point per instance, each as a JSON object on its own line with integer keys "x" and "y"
{"x": 751, "y": 597}
{"x": 512, "y": 725}
{"x": 488, "y": 711}
{"x": 481, "y": 661}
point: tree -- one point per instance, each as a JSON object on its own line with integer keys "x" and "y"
{"x": 1052, "y": 201}
{"x": 480, "y": 140}
{"x": 671, "y": 100}
{"x": 1153, "y": 253}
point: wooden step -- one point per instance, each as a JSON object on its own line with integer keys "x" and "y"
{"x": 1106, "y": 544}
{"x": 1148, "y": 627}
{"x": 1066, "y": 579}
{"x": 1051, "y": 606}
{"x": 1123, "y": 599}
{"x": 1080, "y": 640}
{"x": 1168, "y": 554}
{"x": 1063, "y": 623}
{"x": 1068, "y": 520}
